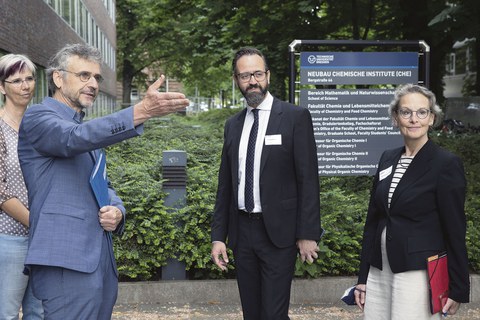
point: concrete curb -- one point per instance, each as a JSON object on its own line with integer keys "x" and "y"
{"x": 325, "y": 290}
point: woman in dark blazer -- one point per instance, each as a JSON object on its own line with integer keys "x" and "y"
{"x": 416, "y": 210}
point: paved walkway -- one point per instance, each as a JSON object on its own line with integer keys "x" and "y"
{"x": 212, "y": 311}
{"x": 311, "y": 299}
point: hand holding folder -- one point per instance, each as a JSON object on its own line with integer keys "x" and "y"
{"x": 438, "y": 281}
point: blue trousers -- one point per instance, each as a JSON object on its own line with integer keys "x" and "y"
{"x": 70, "y": 294}
{"x": 15, "y": 288}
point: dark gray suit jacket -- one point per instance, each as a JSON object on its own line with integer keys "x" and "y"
{"x": 289, "y": 185}
{"x": 426, "y": 217}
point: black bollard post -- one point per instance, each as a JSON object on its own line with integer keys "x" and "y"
{"x": 175, "y": 186}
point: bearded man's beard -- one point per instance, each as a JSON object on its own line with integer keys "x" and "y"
{"x": 254, "y": 98}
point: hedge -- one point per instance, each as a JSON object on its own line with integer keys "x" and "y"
{"x": 155, "y": 233}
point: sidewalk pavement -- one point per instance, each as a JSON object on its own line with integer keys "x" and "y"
{"x": 233, "y": 312}
{"x": 219, "y": 300}
{"x": 227, "y": 312}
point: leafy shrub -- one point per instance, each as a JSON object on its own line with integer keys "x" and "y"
{"x": 149, "y": 232}
{"x": 154, "y": 233}
{"x": 467, "y": 147}
{"x": 343, "y": 216}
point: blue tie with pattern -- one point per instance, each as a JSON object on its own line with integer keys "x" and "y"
{"x": 249, "y": 203}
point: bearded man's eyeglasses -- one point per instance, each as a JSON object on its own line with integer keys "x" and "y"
{"x": 246, "y": 76}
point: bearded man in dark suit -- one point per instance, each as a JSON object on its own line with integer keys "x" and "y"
{"x": 268, "y": 192}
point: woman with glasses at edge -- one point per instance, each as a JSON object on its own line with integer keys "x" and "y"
{"x": 416, "y": 210}
{"x": 17, "y": 84}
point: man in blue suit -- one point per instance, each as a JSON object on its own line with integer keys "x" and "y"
{"x": 70, "y": 255}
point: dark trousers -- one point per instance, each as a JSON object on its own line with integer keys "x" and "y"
{"x": 69, "y": 294}
{"x": 264, "y": 272}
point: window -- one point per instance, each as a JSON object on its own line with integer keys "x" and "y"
{"x": 450, "y": 67}
{"x": 79, "y": 18}
{"x": 461, "y": 60}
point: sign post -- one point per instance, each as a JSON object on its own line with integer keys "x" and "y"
{"x": 348, "y": 95}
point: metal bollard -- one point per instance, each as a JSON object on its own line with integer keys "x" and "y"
{"x": 175, "y": 173}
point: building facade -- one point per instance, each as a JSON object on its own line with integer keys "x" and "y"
{"x": 460, "y": 106}
{"x": 39, "y": 28}
{"x": 460, "y": 69}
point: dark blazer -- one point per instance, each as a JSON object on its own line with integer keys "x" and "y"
{"x": 426, "y": 216}
{"x": 289, "y": 185}
{"x": 56, "y": 156}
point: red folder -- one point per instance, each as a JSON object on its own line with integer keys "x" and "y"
{"x": 437, "y": 268}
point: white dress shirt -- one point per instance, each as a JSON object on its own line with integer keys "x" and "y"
{"x": 264, "y": 110}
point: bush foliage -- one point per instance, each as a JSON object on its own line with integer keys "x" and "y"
{"x": 155, "y": 233}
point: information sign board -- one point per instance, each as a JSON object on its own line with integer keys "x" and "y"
{"x": 352, "y": 126}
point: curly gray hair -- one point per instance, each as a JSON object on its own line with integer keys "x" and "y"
{"x": 60, "y": 60}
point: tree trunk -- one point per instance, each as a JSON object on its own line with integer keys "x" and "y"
{"x": 127, "y": 78}
{"x": 355, "y": 24}
{"x": 415, "y": 27}
{"x": 477, "y": 67}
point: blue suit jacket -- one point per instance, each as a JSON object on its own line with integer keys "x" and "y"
{"x": 56, "y": 153}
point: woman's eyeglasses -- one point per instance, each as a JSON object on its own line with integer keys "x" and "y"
{"x": 18, "y": 82}
{"x": 421, "y": 113}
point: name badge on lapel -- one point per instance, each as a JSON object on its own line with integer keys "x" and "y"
{"x": 273, "y": 140}
{"x": 385, "y": 173}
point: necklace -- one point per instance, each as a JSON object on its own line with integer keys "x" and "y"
{"x": 5, "y": 113}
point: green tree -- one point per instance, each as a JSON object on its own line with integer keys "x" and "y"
{"x": 146, "y": 37}
{"x": 269, "y": 25}
{"x": 195, "y": 40}
{"x": 457, "y": 21}
{"x": 412, "y": 21}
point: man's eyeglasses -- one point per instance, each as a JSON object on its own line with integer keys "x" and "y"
{"x": 84, "y": 76}
{"x": 421, "y": 113}
{"x": 18, "y": 82}
{"x": 246, "y": 76}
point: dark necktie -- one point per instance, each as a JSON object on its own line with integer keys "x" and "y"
{"x": 249, "y": 164}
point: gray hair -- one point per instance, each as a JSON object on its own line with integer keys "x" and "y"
{"x": 409, "y": 88}
{"x": 12, "y": 63}
{"x": 60, "y": 60}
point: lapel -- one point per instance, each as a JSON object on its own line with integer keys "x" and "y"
{"x": 272, "y": 128}
{"x": 390, "y": 160}
{"x": 236, "y": 134}
{"x": 67, "y": 113}
{"x": 94, "y": 154}
{"x": 419, "y": 167}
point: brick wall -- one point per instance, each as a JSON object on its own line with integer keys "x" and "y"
{"x": 33, "y": 28}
